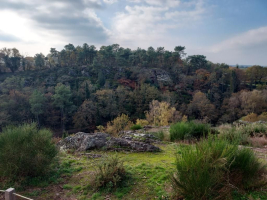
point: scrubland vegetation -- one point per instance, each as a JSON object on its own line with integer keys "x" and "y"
{"x": 208, "y": 119}
{"x": 203, "y": 164}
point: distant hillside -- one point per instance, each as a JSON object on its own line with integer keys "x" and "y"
{"x": 79, "y": 88}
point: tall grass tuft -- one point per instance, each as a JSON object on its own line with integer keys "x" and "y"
{"x": 110, "y": 173}
{"x": 25, "y": 151}
{"x": 214, "y": 167}
{"x": 184, "y": 130}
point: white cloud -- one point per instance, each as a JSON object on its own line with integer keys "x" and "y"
{"x": 39, "y": 25}
{"x": 195, "y": 13}
{"x": 150, "y": 23}
{"x": 248, "y": 48}
{"x": 171, "y": 3}
{"x": 110, "y": 1}
{"x": 243, "y": 41}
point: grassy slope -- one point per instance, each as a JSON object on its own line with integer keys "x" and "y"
{"x": 149, "y": 178}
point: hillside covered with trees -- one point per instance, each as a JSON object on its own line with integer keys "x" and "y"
{"x": 79, "y": 88}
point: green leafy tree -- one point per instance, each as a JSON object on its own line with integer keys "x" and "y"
{"x": 37, "y": 101}
{"x": 39, "y": 60}
{"x": 62, "y": 100}
{"x": 11, "y": 58}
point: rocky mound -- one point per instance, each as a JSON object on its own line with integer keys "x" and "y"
{"x": 90, "y": 141}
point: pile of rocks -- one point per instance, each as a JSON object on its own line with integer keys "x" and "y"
{"x": 89, "y": 141}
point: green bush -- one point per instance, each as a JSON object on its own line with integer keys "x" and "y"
{"x": 185, "y": 130}
{"x": 25, "y": 151}
{"x": 211, "y": 168}
{"x": 110, "y": 173}
{"x": 136, "y": 127}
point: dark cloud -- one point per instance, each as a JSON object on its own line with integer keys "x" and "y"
{"x": 8, "y": 38}
{"x": 67, "y": 19}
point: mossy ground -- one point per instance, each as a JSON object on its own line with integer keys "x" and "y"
{"x": 149, "y": 178}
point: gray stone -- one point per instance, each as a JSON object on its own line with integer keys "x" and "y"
{"x": 90, "y": 141}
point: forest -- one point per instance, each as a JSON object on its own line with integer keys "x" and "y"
{"x": 79, "y": 88}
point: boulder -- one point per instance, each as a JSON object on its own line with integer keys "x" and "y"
{"x": 89, "y": 141}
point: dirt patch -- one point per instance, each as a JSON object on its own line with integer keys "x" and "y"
{"x": 260, "y": 152}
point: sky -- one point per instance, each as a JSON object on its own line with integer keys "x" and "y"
{"x": 225, "y": 31}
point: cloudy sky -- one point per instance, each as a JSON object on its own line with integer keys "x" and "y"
{"x": 226, "y": 31}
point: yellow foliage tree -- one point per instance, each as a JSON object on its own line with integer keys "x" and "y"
{"x": 120, "y": 123}
{"x": 160, "y": 113}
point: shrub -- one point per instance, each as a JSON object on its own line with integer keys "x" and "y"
{"x": 142, "y": 122}
{"x": 183, "y": 130}
{"x": 25, "y": 151}
{"x": 100, "y": 128}
{"x": 211, "y": 168}
{"x": 120, "y": 123}
{"x": 252, "y": 117}
{"x": 136, "y": 127}
{"x": 263, "y": 116}
{"x": 110, "y": 173}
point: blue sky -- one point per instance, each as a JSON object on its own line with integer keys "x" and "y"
{"x": 225, "y": 31}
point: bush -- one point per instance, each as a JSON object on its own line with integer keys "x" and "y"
{"x": 136, "y": 127}
{"x": 120, "y": 123}
{"x": 252, "y": 117}
{"x": 211, "y": 168}
{"x": 142, "y": 122}
{"x": 25, "y": 151}
{"x": 185, "y": 130}
{"x": 110, "y": 173}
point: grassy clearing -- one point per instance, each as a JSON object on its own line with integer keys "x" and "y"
{"x": 149, "y": 177}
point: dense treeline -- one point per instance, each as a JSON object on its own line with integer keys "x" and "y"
{"x": 82, "y": 87}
